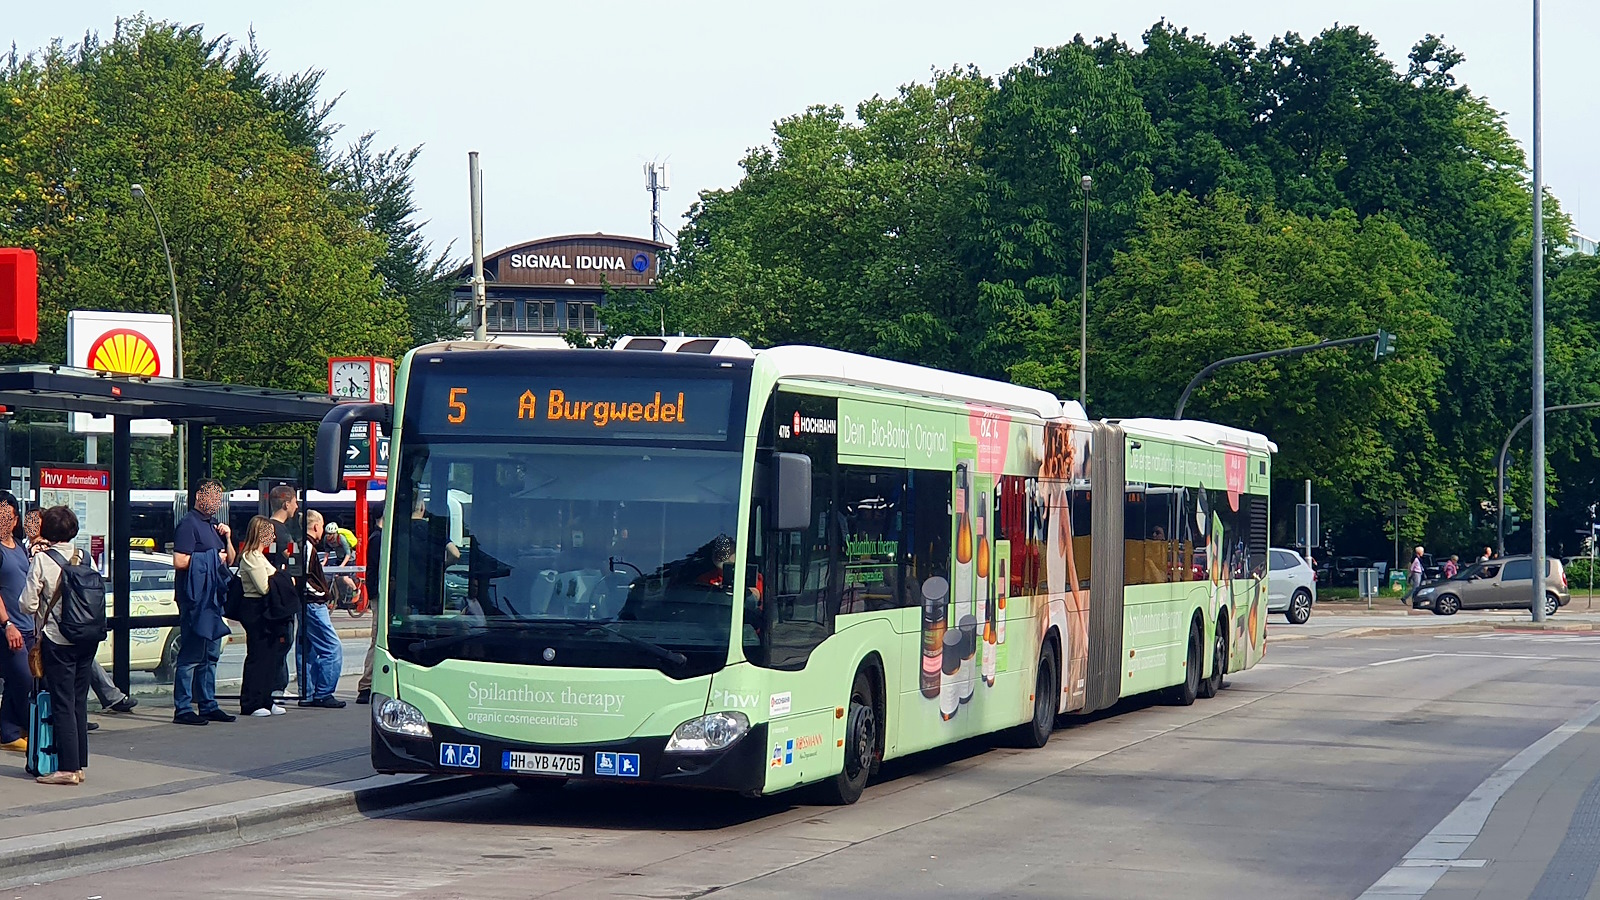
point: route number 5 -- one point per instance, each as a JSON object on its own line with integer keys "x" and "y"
{"x": 458, "y": 409}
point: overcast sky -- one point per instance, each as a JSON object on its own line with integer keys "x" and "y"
{"x": 566, "y": 102}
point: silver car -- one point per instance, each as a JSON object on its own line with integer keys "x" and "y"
{"x": 1291, "y": 585}
{"x": 1496, "y": 584}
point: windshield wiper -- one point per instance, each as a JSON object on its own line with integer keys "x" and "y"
{"x": 656, "y": 650}
{"x": 442, "y": 643}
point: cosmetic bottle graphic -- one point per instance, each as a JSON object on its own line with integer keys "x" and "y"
{"x": 935, "y": 612}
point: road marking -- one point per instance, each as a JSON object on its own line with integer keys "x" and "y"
{"x": 1424, "y": 864}
{"x": 1390, "y": 662}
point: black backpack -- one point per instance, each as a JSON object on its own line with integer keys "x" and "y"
{"x": 82, "y": 617}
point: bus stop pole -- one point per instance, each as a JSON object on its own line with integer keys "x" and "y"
{"x": 119, "y": 540}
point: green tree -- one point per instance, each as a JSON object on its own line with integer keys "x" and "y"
{"x": 409, "y": 270}
{"x": 1203, "y": 280}
{"x": 840, "y": 233}
{"x": 1060, "y": 115}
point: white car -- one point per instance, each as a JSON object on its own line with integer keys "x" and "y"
{"x": 1291, "y": 585}
{"x": 153, "y": 581}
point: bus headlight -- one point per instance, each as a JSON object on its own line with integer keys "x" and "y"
{"x": 399, "y": 717}
{"x": 717, "y": 731}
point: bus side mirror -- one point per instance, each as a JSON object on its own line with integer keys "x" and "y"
{"x": 333, "y": 441}
{"x": 793, "y": 506}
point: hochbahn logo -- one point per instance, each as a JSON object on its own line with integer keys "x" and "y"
{"x": 125, "y": 352}
{"x": 811, "y": 425}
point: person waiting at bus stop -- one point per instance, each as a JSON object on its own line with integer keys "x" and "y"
{"x": 321, "y": 654}
{"x": 270, "y": 604}
{"x": 202, "y": 549}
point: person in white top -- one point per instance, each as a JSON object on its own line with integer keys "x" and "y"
{"x": 266, "y": 641}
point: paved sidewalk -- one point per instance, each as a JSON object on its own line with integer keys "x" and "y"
{"x": 153, "y": 787}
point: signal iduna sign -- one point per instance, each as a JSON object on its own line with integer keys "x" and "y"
{"x": 124, "y": 343}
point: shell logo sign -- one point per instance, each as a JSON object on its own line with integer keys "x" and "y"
{"x": 135, "y": 344}
{"x": 125, "y": 352}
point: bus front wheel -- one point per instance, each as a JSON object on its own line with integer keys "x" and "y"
{"x": 860, "y": 741}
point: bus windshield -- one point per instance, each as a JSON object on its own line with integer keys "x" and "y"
{"x": 595, "y": 554}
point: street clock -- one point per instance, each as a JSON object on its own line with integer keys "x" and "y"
{"x": 361, "y": 378}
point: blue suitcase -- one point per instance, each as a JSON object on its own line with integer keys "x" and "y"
{"x": 41, "y": 735}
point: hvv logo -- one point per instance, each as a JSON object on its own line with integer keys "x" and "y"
{"x": 731, "y": 700}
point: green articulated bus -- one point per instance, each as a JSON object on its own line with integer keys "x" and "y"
{"x": 684, "y": 561}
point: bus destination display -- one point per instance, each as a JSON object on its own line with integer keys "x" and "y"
{"x": 694, "y": 409}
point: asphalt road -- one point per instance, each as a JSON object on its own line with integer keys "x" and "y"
{"x": 1309, "y": 777}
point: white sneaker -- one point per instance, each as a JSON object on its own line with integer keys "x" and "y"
{"x": 261, "y": 712}
{"x": 277, "y": 710}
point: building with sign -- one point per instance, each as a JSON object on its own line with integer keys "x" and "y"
{"x": 542, "y": 289}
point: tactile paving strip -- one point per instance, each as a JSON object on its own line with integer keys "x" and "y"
{"x": 1570, "y": 874}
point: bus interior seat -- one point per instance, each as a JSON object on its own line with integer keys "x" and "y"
{"x": 573, "y": 593}
{"x": 540, "y": 593}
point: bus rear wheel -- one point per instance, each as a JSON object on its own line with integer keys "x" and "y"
{"x": 1219, "y": 661}
{"x": 1046, "y": 696}
{"x": 860, "y": 743}
{"x": 1184, "y": 692}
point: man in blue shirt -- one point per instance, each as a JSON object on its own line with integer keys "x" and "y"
{"x": 199, "y": 544}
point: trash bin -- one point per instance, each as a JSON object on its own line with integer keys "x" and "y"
{"x": 1397, "y": 581}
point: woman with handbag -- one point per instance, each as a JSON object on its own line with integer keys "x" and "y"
{"x": 65, "y": 665}
{"x": 266, "y": 631}
{"x": 16, "y": 626}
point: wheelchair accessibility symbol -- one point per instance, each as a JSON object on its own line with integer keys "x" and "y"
{"x": 460, "y": 756}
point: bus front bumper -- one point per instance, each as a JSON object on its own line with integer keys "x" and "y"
{"x": 457, "y": 751}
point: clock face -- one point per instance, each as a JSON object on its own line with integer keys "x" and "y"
{"x": 385, "y": 391}
{"x": 352, "y": 378}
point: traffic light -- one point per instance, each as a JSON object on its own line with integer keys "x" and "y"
{"x": 1385, "y": 345}
{"x": 1513, "y": 520}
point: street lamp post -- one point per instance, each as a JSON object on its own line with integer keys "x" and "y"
{"x": 177, "y": 332}
{"x": 1087, "y": 184}
{"x": 1537, "y": 523}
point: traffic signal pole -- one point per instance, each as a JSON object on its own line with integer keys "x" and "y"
{"x": 1500, "y": 470}
{"x": 1383, "y": 339}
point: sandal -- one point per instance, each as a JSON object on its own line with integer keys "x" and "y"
{"x": 58, "y": 778}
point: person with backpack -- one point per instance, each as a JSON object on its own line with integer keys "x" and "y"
{"x": 67, "y": 600}
{"x": 202, "y": 550}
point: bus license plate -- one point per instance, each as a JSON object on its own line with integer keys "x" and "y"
{"x": 542, "y": 763}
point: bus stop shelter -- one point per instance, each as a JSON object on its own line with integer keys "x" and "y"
{"x": 124, "y": 398}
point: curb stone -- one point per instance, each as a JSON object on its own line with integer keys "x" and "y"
{"x": 98, "y": 848}
{"x": 1377, "y": 630}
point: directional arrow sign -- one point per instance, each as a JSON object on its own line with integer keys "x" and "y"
{"x": 358, "y": 453}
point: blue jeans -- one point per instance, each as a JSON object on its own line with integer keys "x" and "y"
{"x": 194, "y": 679}
{"x": 321, "y": 654}
{"x": 19, "y": 684}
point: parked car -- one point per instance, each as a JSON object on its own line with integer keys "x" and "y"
{"x": 1344, "y": 571}
{"x": 1496, "y": 584}
{"x": 153, "y": 582}
{"x": 1291, "y": 585}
